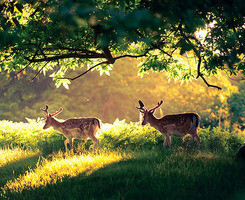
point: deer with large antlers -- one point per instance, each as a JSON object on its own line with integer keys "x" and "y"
{"x": 171, "y": 125}
{"x": 80, "y": 128}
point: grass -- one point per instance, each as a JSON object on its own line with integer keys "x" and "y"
{"x": 146, "y": 174}
{"x": 15, "y": 161}
{"x": 131, "y": 165}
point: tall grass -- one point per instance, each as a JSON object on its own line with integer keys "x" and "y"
{"x": 30, "y": 136}
{"x": 118, "y": 135}
{"x": 135, "y": 137}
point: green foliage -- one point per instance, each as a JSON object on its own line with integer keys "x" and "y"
{"x": 118, "y": 135}
{"x": 129, "y": 136}
{"x": 221, "y": 140}
{"x": 30, "y": 135}
{"x": 131, "y": 160}
{"x": 236, "y": 104}
{"x": 41, "y": 34}
{"x": 116, "y": 96}
{"x": 135, "y": 137}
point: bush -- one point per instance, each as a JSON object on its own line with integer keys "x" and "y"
{"x": 222, "y": 140}
{"x": 118, "y": 135}
{"x": 30, "y": 135}
{"x": 135, "y": 137}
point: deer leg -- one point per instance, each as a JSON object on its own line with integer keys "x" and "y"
{"x": 196, "y": 137}
{"x": 95, "y": 142}
{"x": 167, "y": 141}
{"x": 66, "y": 141}
{"x": 198, "y": 140}
{"x": 70, "y": 141}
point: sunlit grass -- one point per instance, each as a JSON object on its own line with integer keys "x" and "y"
{"x": 62, "y": 166}
{"x": 132, "y": 164}
{"x": 138, "y": 175}
{"x": 10, "y": 155}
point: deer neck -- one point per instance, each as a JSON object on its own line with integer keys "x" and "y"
{"x": 56, "y": 124}
{"x": 154, "y": 122}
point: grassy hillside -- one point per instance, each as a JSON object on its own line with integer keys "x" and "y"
{"x": 131, "y": 165}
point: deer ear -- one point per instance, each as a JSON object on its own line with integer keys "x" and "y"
{"x": 141, "y": 104}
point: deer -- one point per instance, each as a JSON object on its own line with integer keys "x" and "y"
{"x": 80, "y": 128}
{"x": 178, "y": 125}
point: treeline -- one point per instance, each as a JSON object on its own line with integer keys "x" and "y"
{"x": 115, "y": 96}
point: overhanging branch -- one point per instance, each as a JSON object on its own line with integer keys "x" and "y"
{"x": 76, "y": 77}
{"x": 197, "y": 53}
{"x": 199, "y": 74}
{"x": 64, "y": 56}
{"x": 154, "y": 46}
{"x": 36, "y": 75}
{"x": 104, "y": 62}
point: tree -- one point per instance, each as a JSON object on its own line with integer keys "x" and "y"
{"x": 116, "y": 96}
{"x": 58, "y": 35}
{"x": 236, "y": 104}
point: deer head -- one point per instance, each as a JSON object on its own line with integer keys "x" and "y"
{"x": 147, "y": 114}
{"x": 49, "y": 117}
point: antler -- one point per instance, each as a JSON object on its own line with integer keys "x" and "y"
{"x": 158, "y": 105}
{"x": 46, "y": 109}
{"x": 142, "y": 107}
{"x": 57, "y": 112}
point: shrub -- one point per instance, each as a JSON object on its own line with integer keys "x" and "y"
{"x": 119, "y": 135}
{"x": 219, "y": 139}
{"x": 29, "y": 135}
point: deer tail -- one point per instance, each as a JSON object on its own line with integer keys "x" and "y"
{"x": 97, "y": 122}
{"x": 195, "y": 121}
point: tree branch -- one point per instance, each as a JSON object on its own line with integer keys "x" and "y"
{"x": 73, "y": 49}
{"x": 108, "y": 55}
{"x": 104, "y": 62}
{"x": 64, "y": 56}
{"x": 199, "y": 74}
{"x": 131, "y": 56}
{"x": 36, "y": 75}
{"x": 23, "y": 68}
{"x": 76, "y": 77}
{"x": 154, "y": 46}
{"x": 28, "y": 63}
{"x": 215, "y": 86}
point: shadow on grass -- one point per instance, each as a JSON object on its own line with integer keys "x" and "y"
{"x": 14, "y": 169}
{"x": 152, "y": 176}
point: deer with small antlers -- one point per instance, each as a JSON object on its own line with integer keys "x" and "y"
{"x": 80, "y": 128}
{"x": 171, "y": 125}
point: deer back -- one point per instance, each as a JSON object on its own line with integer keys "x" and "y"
{"x": 82, "y": 123}
{"x": 182, "y": 122}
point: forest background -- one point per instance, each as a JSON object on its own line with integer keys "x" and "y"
{"x": 117, "y": 95}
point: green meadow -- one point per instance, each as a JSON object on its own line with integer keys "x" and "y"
{"x": 132, "y": 164}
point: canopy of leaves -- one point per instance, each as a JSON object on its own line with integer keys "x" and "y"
{"x": 56, "y": 35}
